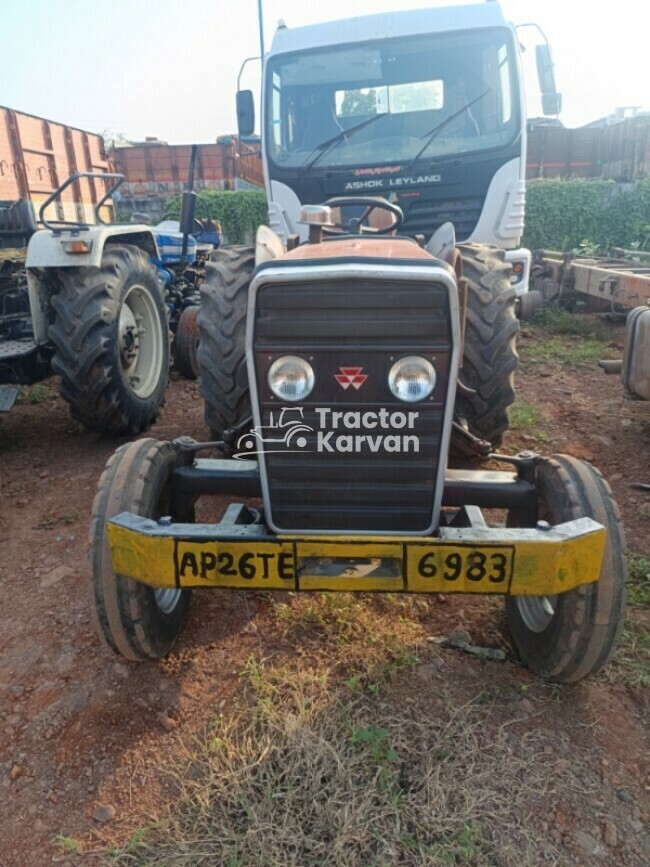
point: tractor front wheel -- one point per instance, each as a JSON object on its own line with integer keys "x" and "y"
{"x": 571, "y": 635}
{"x": 134, "y": 620}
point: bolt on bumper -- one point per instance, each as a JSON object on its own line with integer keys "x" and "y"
{"x": 543, "y": 561}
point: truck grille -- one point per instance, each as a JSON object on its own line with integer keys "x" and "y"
{"x": 363, "y": 470}
{"x": 424, "y": 216}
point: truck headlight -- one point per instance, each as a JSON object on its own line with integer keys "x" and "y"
{"x": 412, "y": 378}
{"x": 291, "y": 378}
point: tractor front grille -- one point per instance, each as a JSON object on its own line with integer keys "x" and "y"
{"x": 373, "y": 467}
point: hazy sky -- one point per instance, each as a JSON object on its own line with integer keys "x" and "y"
{"x": 169, "y": 68}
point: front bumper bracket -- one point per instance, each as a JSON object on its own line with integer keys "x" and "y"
{"x": 475, "y": 559}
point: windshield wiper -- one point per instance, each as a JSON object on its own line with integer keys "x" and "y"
{"x": 325, "y": 146}
{"x": 431, "y": 135}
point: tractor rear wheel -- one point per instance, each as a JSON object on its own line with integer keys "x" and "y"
{"x": 490, "y": 355}
{"x": 134, "y": 620}
{"x": 111, "y": 339}
{"x": 571, "y": 635}
{"x": 186, "y": 343}
{"x": 222, "y": 338}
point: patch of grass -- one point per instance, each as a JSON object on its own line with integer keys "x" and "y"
{"x": 566, "y": 338}
{"x": 356, "y": 632}
{"x": 526, "y": 417}
{"x": 374, "y": 737}
{"x": 469, "y": 841}
{"x": 136, "y": 843}
{"x": 354, "y": 683}
{"x": 638, "y": 580}
{"x": 323, "y": 778}
{"x": 631, "y": 663}
{"x": 68, "y": 844}
{"x": 555, "y": 320}
{"x": 563, "y": 350}
{"x": 271, "y": 688}
{"x": 49, "y": 521}
{"x": 34, "y": 394}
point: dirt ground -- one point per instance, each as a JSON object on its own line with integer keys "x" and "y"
{"x": 83, "y": 734}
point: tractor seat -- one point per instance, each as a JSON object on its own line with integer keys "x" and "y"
{"x": 17, "y": 223}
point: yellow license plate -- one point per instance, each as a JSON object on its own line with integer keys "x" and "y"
{"x": 343, "y": 566}
{"x": 459, "y": 569}
{"x": 526, "y": 562}
{"x": 268, "y": 565}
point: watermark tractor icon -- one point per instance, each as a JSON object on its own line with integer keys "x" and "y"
{"x": 288, "y": 432}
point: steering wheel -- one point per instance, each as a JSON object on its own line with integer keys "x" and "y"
{"x": 355, "y": 226}
{"x": 197, "y": 226}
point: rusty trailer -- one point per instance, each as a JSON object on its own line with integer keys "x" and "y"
{"x": 616, "y": 284}
{"x": 38, "y": 155}
{"x": 619, "y": 284}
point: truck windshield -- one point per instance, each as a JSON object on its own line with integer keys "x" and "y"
{"x": 392, "y": 100}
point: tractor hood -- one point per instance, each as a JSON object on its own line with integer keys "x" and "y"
{"x": 358, "y": 246}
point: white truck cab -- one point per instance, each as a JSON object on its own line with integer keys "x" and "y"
{"x": 423, "y": 107}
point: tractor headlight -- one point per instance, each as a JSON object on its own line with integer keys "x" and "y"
{"x": 412, "y": 378}
{"x": 291, "y": 378}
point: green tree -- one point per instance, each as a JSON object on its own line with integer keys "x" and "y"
{"x": 240, "y": 212}
{"x": 113, "y": 139}
{"x": 359, "y": 102}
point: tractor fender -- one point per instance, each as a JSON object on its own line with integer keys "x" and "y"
{"x": 46, "y": 254}
{"x": 268, "y": 245}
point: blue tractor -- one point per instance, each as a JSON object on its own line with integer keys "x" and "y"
{"x": 180, "y": 266}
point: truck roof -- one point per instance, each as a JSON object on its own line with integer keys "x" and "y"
{"x": 388, "y": 24}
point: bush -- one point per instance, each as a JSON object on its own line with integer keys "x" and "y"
{"x": 239, "y": 212}
{"x": 562, "y": 214}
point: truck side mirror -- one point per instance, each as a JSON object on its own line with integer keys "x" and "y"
{"x": 551, "y": 104}
{"x": 551, "y": 99}
{"x": 245, "y": 112}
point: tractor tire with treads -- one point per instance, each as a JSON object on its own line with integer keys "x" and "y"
{"x": 222, "y": 338}
{"x": 111, "y": 339}
{"x": 490, "y": 355}
{"x": 133, "y": 619}
{"x": 569, "y": 636}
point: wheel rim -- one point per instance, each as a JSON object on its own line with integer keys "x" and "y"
{"x": 140, "y": 341}
{"x": 537, "y": 611}
{"x": 167, "y": 599}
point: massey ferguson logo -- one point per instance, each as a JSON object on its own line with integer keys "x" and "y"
{"x": 350, "y": 376}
